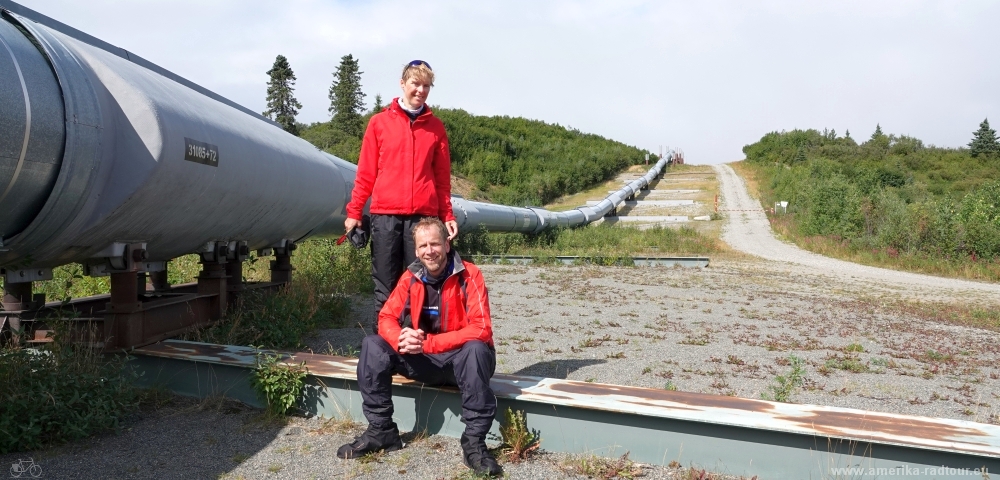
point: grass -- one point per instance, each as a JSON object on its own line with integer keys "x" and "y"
{"x": 593, "y": 466}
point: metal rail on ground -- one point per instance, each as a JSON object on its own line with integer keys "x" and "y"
{"x": 700, "y": 262}
{"x": 725, "y": 434}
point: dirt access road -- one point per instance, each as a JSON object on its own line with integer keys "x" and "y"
{"x": 749, "y": 231}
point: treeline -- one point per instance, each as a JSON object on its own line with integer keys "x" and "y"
{"x": 511, "y": 161}
{"x": 891, "y": 193}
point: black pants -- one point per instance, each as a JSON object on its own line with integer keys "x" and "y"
{"x": 392, "y": 251}
{"x": 469, "y": 368}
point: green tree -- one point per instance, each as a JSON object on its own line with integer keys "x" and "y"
{"x": 878, "y": 132}
{"x": 347, "y": 101}
{"x": 281, "y": 104}
{"x": 984, "y": 140}
{"x": 378, "y": 103}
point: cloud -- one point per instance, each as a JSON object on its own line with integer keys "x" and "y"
{"x": 706, "y": 76}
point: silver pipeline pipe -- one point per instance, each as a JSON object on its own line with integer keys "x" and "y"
{"x": 502, "y": 218}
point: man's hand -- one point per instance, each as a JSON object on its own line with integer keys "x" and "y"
{"x": 411, "y": 341}
{"x": 350, "y": 224}
{"x": 452, "y": 226}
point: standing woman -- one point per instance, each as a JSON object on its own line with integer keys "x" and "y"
{"x": 405, "y": 168}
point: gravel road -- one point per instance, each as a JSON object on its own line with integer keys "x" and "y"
{"x": 728, "y": 329}
{"x": 748, "y": 230}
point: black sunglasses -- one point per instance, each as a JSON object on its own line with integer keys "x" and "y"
{"x": 417, "y": 63}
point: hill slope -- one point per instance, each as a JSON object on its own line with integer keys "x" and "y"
{"x": 510, "y": 160}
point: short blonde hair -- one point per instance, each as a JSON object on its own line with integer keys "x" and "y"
{"x": 431, "y": 223}
{"x": 419, "y": 69}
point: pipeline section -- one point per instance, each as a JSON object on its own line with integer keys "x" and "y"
{"x": 109, "y": 160}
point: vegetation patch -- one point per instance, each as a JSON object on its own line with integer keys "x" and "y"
{"x": 277, "y": 383}
{"x": 593, "y": 466}
{"x": 890, "y": 201}
{"x": 517, "y": 441}
{"x": 60, "y": 392}
{"x": 784, "y": 386}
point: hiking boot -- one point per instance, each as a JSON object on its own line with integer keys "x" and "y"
{"x": 477, "y": 457}
{"x": 373, "y": 440}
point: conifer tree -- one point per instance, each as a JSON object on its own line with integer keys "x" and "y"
{"x": 878, "y": 132}
{"x": 347, "y": 101}
{"x": 282, "y": 107}
{"x": 378, "y": 103}
{"x": 984, "y": 141}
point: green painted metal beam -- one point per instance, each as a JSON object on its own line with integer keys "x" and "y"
{"x": 722, "y": 434}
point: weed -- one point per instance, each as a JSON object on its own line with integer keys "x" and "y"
{"x": 670, "y": 386}
{"x": 275, "y": 468}
{"x": 700, "y": 340}
{"x": 517, "y": 441}
{"x": 617, "y": 355}
{"x": 598, "y": 467}
{"x": 646, "y": 370}
{"x": 854, "y": 348}
{"x": 277, "y": 383}
{"x": 784, "y": 385}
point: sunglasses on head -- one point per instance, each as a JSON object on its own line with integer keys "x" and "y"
{"x": 417, "y": 63}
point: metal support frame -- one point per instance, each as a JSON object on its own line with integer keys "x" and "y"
{"x": 737, "y": 435}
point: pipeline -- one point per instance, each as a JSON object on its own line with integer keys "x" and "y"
{"x": 107, "y": 160}
{"x": 114, "y": 163}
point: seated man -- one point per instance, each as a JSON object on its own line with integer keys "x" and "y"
{"x": 435, "y": 328}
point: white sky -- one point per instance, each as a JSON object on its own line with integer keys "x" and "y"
{"x": 705, "y": 76}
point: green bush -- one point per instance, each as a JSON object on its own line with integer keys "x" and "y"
{"x": 60, "y": 393}
{"x": 278, "y": 384}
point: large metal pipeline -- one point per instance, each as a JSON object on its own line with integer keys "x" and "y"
{"x": 101, "y": 150}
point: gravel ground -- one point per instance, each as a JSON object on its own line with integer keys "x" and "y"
{"x": 728, "y": 329}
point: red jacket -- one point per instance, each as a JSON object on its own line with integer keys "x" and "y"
{"x": 465, "y": 312}
{"x": 404, "y": 167}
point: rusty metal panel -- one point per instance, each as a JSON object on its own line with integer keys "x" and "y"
{"x": 728, "y": 434}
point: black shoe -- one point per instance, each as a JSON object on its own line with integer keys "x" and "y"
{"x": 477, "y": 457}
{"x": 373, "y": 440}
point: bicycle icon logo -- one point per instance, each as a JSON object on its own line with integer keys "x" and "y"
{"x": 25, "y": 466}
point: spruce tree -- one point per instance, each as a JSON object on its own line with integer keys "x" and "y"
{"x": 878, "y": 132}
{"x": 984, "y": 141}
{"x": 347, "y": 101}
{"x": 282, "y": 107}
{"x": 378, "y": 103}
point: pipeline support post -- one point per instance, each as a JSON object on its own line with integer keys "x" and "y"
{"x": 281, "y": 266}
{"x": 16, "y": 299}
{"x": 123, "y": 322}
{"x": 238, "y": 253}
{"x": 213, "y": 278}
{"x": 159, "y": 280}
{"x": 123, "y": 314}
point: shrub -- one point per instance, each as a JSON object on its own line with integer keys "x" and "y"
{"x": 61, "y": 392}
{"x": 278, "y": 384}
{"x": 516, "y": 440}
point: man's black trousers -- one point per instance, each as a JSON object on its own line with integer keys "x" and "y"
{"x": 392, "y": 251}
{"x": 469, "y": 368}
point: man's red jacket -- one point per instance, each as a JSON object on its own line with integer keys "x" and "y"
{"x": 404, "y": 167}
{"x": 464, "y": 314}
